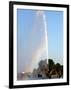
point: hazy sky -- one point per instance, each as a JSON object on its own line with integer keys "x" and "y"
{"x": 26, "y": 24}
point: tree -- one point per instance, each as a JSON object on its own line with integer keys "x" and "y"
{"x": 51, "y": 64}
{"x": 61, "y": 70}
{"x": 58, "y": 67}
{"x": 42, "y": 64}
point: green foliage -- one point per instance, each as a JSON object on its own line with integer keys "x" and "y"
{"x": 51, "y": 64}
{"x": 50, "y": 69}
{"x": 58, "y": 67}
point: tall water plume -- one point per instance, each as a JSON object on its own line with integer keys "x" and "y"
{"x": 40, "y": 44}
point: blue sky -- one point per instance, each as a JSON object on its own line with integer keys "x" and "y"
{"x": 25, "y": 24}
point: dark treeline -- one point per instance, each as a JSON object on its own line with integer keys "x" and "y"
{"x": 48, "y": 70}
{"x": 55, "y": 69}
